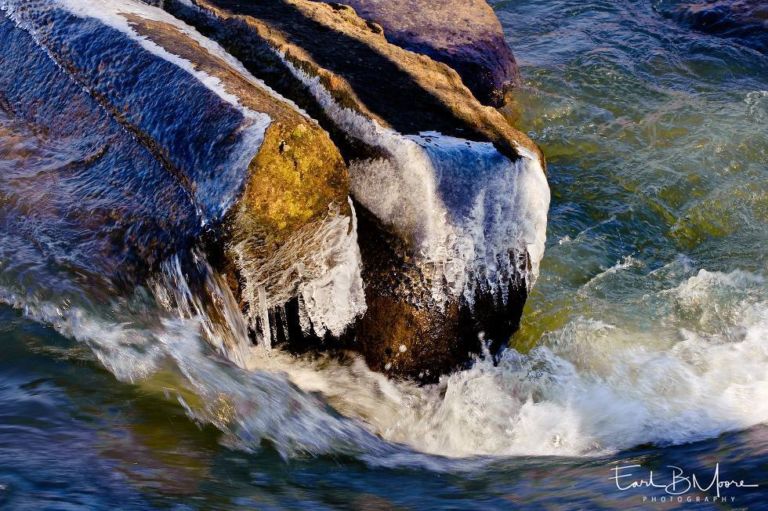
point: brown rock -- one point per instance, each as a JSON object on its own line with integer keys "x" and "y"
{"x": 367, "y": 92}
{"x": 465, "y": 34}
{"x": 408, "y": 92}
{"x": 254, "y": 174}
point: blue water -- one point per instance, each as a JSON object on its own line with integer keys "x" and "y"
{"x": 73, "y": 438}
{"x": 650, "y": 316}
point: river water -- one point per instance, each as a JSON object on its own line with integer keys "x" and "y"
{"x": 643, "y": 342}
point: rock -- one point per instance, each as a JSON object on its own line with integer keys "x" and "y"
{"x": 175, "y": 143}
{"x": 465, "y": 34}
{"x": 452, "y": 200}
{"x": 398, "y": 89}
{"x": 745, "y": 20}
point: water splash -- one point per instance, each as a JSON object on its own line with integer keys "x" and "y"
{"x": 591, "y": 388}
{"x": 594, "y": 386}
{"x": 693, "y": 368}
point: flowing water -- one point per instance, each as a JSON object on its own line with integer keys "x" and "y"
{"x": 643, "y": 342}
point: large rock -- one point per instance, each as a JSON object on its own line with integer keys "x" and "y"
{"x": 746, "y": 20}
{"x": 465, "y": 34}
{"x": 453, "y": 200}
{"x": 173, "y": 142}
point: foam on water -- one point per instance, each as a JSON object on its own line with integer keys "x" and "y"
{"x": 248, "y": 406}
{"x": 757, "y": 106}
{"x": 196, "y": 332}
{"x": 694, "y": 367}
{"x": 214, "y": 307}
{"x": 467, "y": 210}
{"x": 590, "y": 388}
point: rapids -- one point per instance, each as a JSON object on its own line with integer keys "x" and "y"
{"x": 647, "y": 329}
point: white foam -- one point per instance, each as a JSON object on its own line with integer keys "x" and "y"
{"x": 247, "y": 406}
{"x": 409, "y": 191}
{"x": 757, "y": 106}
{"x": 590, "y": 389}
{"x": 197, "y": 337}
{"x": 625, "y": 263}
{"x": 127, "y": 352}
{"x": 224, "y": 328}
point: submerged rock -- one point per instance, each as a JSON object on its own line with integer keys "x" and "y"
{"x": 745, "y": 20}
{"x": 465, "y": 34}
{"x": 173, "y": 141}
{"x": 452, "y": 199}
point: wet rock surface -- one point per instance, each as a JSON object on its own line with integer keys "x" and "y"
{"x": 465, "y": 34}
{"x": 85, "y": 209}
{"x": 451, "y": 200}
{"x": 357, "y": 65}
{"x": 745, "y": 20}
{"x": 177, "y": 148}
{"x": 367, "y": 92}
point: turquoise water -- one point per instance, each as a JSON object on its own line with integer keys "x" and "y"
{"x": 644, "y": 341}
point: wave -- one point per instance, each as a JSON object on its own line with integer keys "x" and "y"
{"x": 691, "y": 365}
{"x": 590, "y": 388}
